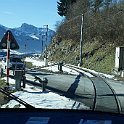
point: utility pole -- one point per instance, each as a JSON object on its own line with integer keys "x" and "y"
{"x": 81, "y": 40}
{"x": 45, "y": 58}
{"x": 46, "y": 35}
{"x": 42, "y": 42}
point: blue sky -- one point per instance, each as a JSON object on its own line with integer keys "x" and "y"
{"x": 36, "y": 12}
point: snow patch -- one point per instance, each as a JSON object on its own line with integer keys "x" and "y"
{"x": 100, "y": 74}
{"x": 34, "y": 37}
{"x": 35, "y": 97}
{"x": 54, "y": 68}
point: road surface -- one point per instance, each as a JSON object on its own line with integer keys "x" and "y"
{"x": 79, "y": 87}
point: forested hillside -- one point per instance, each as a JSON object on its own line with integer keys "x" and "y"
{"x": 103, "y": 30}
{"x": 102, "y": 19}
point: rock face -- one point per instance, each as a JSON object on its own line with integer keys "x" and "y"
{"x": 31, "y": 39}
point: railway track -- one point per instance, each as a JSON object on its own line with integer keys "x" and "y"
{"x": 105, "y": 98}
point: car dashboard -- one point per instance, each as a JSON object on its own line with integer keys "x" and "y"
{"x": 58, "y": 116}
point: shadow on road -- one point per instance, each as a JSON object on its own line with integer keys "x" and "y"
{"x": 71, "y": 91}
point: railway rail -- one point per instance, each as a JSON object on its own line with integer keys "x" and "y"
{"x": 105, "y": 97}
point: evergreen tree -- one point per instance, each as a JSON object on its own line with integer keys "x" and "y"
{"x": 63, "y": 6}
{"x": 107, "y": 3}
{"x": 95, "y": 5}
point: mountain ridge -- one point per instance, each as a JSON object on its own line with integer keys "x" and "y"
{"x": 29, "y": 37}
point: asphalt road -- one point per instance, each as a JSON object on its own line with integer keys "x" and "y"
{"x": 76, "y": 87}
{"x": 105, "y": 96}
{"x": 79, "y": 87}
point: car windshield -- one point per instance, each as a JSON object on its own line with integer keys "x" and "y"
{"x": 73, "y": 54}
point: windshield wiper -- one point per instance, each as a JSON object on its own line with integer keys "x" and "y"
{"x": 16, "y": 98}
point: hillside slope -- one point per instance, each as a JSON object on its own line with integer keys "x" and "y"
{"x": 103, "y": 31}
{"x": 96, "y": 56}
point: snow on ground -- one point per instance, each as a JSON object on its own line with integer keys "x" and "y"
{"x": 40, "y": 99}
{"x": 35, "y": 97}
{"x": 54, "y": 68}
{"x": 35, "y": 62}
{"x": 100, "y": 74}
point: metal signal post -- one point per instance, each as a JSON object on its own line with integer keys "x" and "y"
{"x": 8, "y": 42}
{"x": 46, "y": 35}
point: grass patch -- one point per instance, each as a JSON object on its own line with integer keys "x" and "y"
{"x": 102, "y": 60}
{"x": 3, "y": 98}
{"x": 97, "y": 55}
{"x": 2, "y": 83}
{"x": 28, "y": 65}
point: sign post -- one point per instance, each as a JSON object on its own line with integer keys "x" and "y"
{"x": 8, "y": 42}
